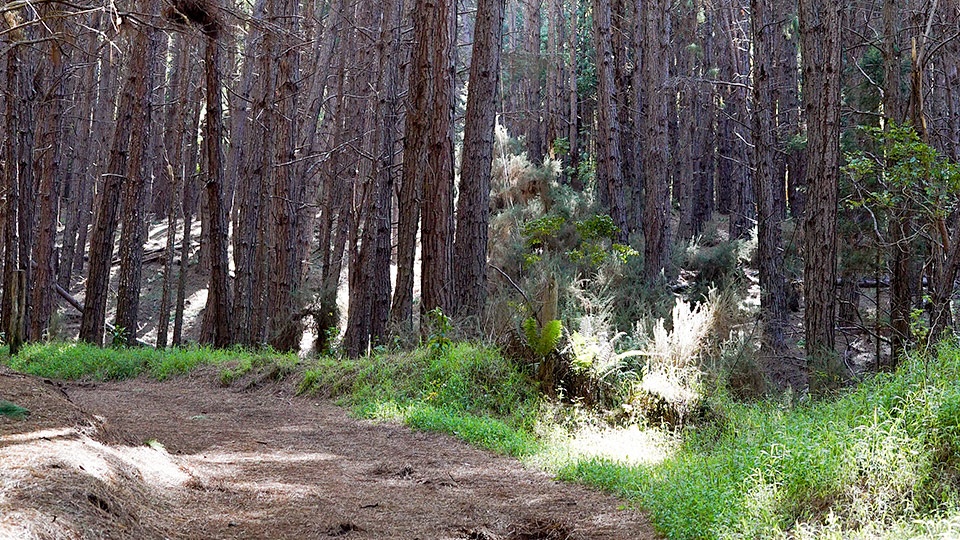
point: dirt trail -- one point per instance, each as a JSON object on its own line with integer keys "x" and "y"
{"x": 262, "y": 463}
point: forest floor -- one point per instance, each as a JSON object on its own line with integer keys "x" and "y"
{"x": 188, "y": 458}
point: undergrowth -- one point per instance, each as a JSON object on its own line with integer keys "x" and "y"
{"x": 67, "y": 360}
{"x": 878, "y": 462}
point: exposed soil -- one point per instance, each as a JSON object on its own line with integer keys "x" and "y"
{"x": 190, "y": 459}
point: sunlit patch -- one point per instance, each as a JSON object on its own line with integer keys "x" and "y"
{"x": 629, "y": 445}
{"x": 43, "y": 434}
{"x": 227, "y": 458}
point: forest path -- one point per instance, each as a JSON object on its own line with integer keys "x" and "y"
{"x": 262, "y": 463}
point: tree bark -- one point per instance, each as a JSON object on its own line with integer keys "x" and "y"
{"x": 773, "y": 291}
{"x": 473, "y": 205}
{"x": 134, "y": 189}
{"x": 102, "y": 238}
{"x": 820, "y": 31}
{"x": 609, "y": 172}
{"x": 433, "y": 61}
{"x": 656, "y": 158}
{"x": 50, "y": 173}
{"x": 218, "y": 305}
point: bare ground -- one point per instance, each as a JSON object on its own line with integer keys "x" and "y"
{"x": 190, "y": 459}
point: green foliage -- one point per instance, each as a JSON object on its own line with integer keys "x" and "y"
{"x": 904, "y": 172}
{"x": 61, "y": 360}
{"x": 538, "y": 231}
{"x": 440, "y": 328}
{"x": 118, "y": 337}
{"x": 11, "y": 410}
{"x": 470, "y": 391}
{"x": 543, "y": 341}
{"x": 879, "y": 461}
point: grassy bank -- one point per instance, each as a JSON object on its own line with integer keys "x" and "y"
{"x": 61, "y": 360}
{"x": 881, "y": 460}
{"x": 465, "y": 390}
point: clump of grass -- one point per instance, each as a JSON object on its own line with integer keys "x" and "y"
{"x": 64, "y": 360}
{"x": 12, "y": 410}
{"x": 465, "y": 390}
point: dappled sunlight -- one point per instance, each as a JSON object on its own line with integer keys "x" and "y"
{"x": 44, "y": 434}
{"x": 225, "y": 458}
{"x": 628, "y": 445}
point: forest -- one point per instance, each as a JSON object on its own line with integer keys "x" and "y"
{"x": 691, "y": 218}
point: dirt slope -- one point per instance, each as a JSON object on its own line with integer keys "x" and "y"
{"x": 261, "y": 463}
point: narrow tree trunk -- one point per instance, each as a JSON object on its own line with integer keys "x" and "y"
{"x": 656, "y": 157}
{"x": 134, "y": 189}
{"x": 44, "y": 254}
{"x": 773, "y": 290}
{"x": 218, "y": 296}
{"x": 102, "y": 239}
{"x": 609, "y": 172}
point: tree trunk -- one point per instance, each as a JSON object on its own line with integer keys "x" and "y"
{"x": 609, "y": 172}
{"x": 773, "y": 290}
{"x": 105, "y": 227}
{"x": 433, "y": 69}
{"x": 820, "y": 31}
{"x": 134, "y": 188}
{"x": 49, "y": 170}
{"x": 218, "y": 297}
{"x": 473, "y": 205}
{"x": 286, "y": 328}
{"x": 531, "y": 81}
{"x": 656, "y": 157}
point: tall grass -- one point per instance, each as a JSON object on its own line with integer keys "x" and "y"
{"x": 879, "y": 461}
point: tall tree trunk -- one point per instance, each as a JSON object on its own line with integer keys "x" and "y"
{"x": 188, "y": 203}
{"x": 218, "y": 297}
{"x": 105, "y": 227}
{"x": 656, "y": 157}
{"x": 530, "y": 83}
{"x": 286, "y": 328}
{"x": 773, "y": 291}
{"x": 473, "y": 205}
{"x": 134, "y": 189}
{"x": 49, "y": 170}
{"x": 369, "y": 274}
{"x": 820, "y": 31}
{"x": 609, "y": 172}
{"x": 433, "y": 69}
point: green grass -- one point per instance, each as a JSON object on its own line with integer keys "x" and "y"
{"x": 466, "y": 390}
{"x": 62, "y": 360}
{"x": 879, "y": 461}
